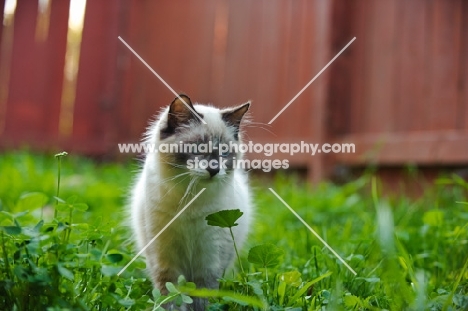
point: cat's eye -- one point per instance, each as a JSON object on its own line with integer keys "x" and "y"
{"x": 224, "y": 154}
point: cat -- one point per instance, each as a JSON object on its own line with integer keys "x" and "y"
{"x": 189, "y": 246}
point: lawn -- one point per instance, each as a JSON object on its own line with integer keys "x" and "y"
{"x": 63, "y": 243}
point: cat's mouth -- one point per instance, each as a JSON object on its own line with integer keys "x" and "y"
{"x": 210, "y": 175}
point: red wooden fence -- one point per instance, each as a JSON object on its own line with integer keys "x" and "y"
{"x": 402, "y": 93}
{"x": 399, "y": 92}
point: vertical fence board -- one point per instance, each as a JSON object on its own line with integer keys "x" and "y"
{"x": 318, "y": 165}
{"x": 379, "y": 104}
{"x": 24, "y": 115}
{"x": 236, "y": 79}
{"x": 294, "y": 66}
{"x": 306, "y": 53}
{"x": 283, "y": 94}
{"x": 340, "y": 87}
{"x": 360, "y": 27}
{"x": 53, "y": 74}
{"x": 2, "y": 9}
{"x": 252, "y": 58}
{"x": 444, "y": 49}
{"x": 201, "y": 41}
{"x": 409, "y": 79}
{"x": 462, "y": 120}
{"x": 96, "y": 78}
{"x": 268, "y": 66}
{"x": 135, "y": 108}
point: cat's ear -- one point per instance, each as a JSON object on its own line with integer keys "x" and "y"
{"x": 181, "y": 111}
{"x": 234, "y": 116}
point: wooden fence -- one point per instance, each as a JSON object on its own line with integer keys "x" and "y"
{"x": 399, "y": 92}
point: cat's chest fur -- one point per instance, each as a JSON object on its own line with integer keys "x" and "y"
{"x": 166, "y": 184}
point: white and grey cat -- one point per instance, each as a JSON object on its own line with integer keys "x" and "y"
{"x": 165, "y": 185}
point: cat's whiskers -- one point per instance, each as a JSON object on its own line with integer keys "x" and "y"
{"x": 174, "y": 165}
{"x": 175, "y": 185}
{"x": 188, "y": 191}
{"x": 171, "y": 178}
{"x": 260, "y": 125}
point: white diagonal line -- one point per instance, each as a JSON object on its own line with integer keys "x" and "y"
{"x": 160, "y": 232}
{"x": 310, "y": 82}
{"x": 160, "y": 78}
{"x": 313, "y": 231}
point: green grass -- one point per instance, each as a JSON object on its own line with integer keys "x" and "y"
{"x": 408, "y": 254}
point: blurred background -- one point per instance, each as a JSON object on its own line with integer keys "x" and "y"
{"x": 399, "y": 92}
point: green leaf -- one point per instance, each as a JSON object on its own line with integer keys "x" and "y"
{"x": 265, "y": 255}
{"x": 21, "y": 214}
{"x": 7, "y": 215}
{"x": 291, "y": 278}
{"x": 59, "y": 200}
{"x": 156, "y": 293}
{"x": 309, "y": 284}
{"x": 187, "y": 299}
{"x": 281, "y": 292}
{"x": 171, "y": 288}
{"x": 181, "y": 280}
{"x": 63, "y": 207}
{"x": 80, "y": 206}
{"x": 37, "y": 228}
{"x": 127, "y": 302}
{"x": 13, "y": 230}
{"x": 114, "y": 257}
{"x": 110, "y": 270}
{"x": 225, "y": 218}
{"x": 256, "y": 287}
{"x": 81, "y": 226}
{"x": 433, "y": 218}
{"x": 31, "y": 201}
{"x": 65, "y": 272}
{"x": 351, "y": 301}
{"x": 72, "y": 199}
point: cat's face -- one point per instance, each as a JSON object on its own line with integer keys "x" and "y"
{"x": 207, "y": 151}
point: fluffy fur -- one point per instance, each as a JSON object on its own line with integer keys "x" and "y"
{"x": 165, "y": 185}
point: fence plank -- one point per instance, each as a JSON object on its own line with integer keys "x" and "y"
{"x": 268, "y": 66}
{"x": 319, "y": 166}
{"x": 2, "y": 9}
{"x": 410, "y": 72}
{"x": 462, "y": 121}
{"x": 361, "y": 27}
{"x": 24, "y": 116}
{"x": 54, "y": 61}
{"x": 237, "y": 80}
{"x": 340, "y": 87}
{"x": 93, "y": 124}
{"x": 135, "y": 109}
{"x": 207, "y": 38}
{"x": 379, "y": 112}
{"x": 443, "y": 64}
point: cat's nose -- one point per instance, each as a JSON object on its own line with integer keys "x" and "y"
{"x": 213, "y": 171}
